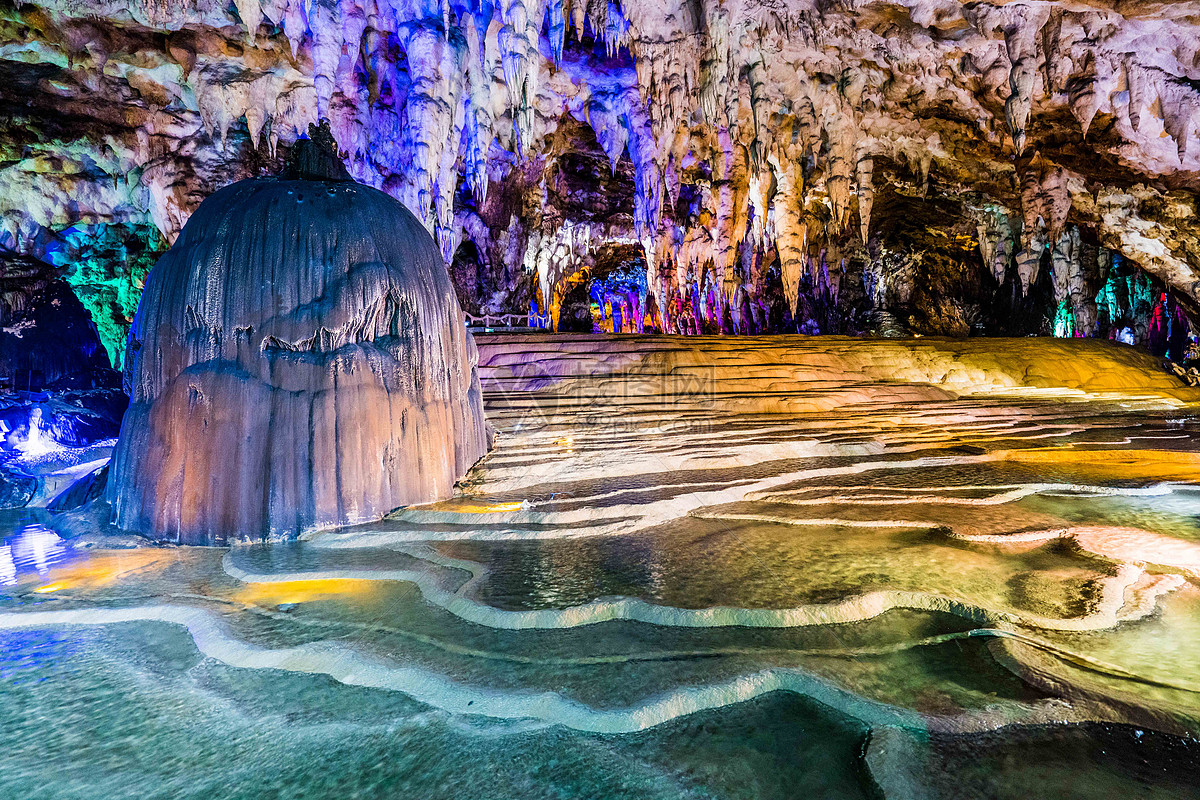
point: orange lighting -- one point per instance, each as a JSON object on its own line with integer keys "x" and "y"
{"x": 494, "y": 508}
{"x": 277, "y": 593}
{"x": 103, "y": 568}
{"x": 1171, "y": 465}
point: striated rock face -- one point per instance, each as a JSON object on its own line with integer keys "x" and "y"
{"x": 298, "y": 360}
{"x": 766, "y": 158}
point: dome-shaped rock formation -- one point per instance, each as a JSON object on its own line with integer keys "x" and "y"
{"x": 298, "y": 361}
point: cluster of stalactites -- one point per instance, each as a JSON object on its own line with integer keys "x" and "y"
{"x": 727, "y": 72}
{"x": 472, "y": 72}
{"x": 776, "y": 110}
{"x": 1044, "y": 61}
{"x": 467, "y": 75}
{"x": 1045, "y": 205}
{"x": 1077, "y": 269}
{"x": 759, "y": 199}
{"x": 1022, "y": 239}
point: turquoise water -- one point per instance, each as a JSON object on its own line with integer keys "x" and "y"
{"x": 928, "y": 601}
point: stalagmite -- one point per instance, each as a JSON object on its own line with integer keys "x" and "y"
{"x": 353, "y": 393}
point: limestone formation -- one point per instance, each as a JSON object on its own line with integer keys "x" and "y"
{"x": 298, "y": 361}
{"x": 735, "y": 144}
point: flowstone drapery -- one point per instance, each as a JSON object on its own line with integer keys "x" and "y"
{"x": 298, "y": 361}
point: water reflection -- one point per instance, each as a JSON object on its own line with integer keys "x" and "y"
{"x": 8, "y": 567}
{"x": 34, "y": 548}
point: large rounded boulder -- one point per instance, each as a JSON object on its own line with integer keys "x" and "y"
{"x": 298, "y": 361}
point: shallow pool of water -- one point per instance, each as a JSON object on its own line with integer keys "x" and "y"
{"x": 958, "y": 600}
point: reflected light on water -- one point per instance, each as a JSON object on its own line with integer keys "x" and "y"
{"x": 491, "y": 508}
{"x": 37, "y": 556}
{"x": 302, "y": 591}
{"x": 8, "y": 569}
{"x": 34, "y": 548}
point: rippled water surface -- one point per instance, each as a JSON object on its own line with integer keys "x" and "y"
{"x": 931, "y": 600}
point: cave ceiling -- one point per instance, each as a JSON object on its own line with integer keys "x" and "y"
{"x": 698, "y": 131}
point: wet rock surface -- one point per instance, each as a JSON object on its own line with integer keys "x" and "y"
{"x": 16, "y": 488}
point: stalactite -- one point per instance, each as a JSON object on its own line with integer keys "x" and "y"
{"x": 732, "y": 218}
{"x": 1179, "y": 114}
{"x": 518, "y": 44}
{"x": 251, "y": 13}
{"x": 1055, "y": 63}
{"x": 715, "y": 68}
{"x": 556, "y": 29}
{"x": 478, "y": 132}
{"x": 1029, "y": 258}
{"x": 167, "y": 188}
{"x": 842, "y": 140}
{"x": 1020, "y": 39}
{"x": 326, "y": 50}
{"x": 1083, "y": 281}
{"x": 643, "y": 151}
{"x": 1142, "y": 91}
{"x": 1062, "y": 256}
{"x": 866, "y": 194}
{"x": 607, "y": 121}
{"x": 995, "y": 241}
{"x": 1084, "y": 93}
{"x": 433, "y": 112}
{"x": 1045, "y": 200}
{"x": 295, "y": 24}
{"x": 759, "y": 111}
{"x": 790, "y": 232}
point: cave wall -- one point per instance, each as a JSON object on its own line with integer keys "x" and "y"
{"x": 835, "y": 166}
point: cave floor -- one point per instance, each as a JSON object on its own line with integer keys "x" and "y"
{"x": 688, "y": 568}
